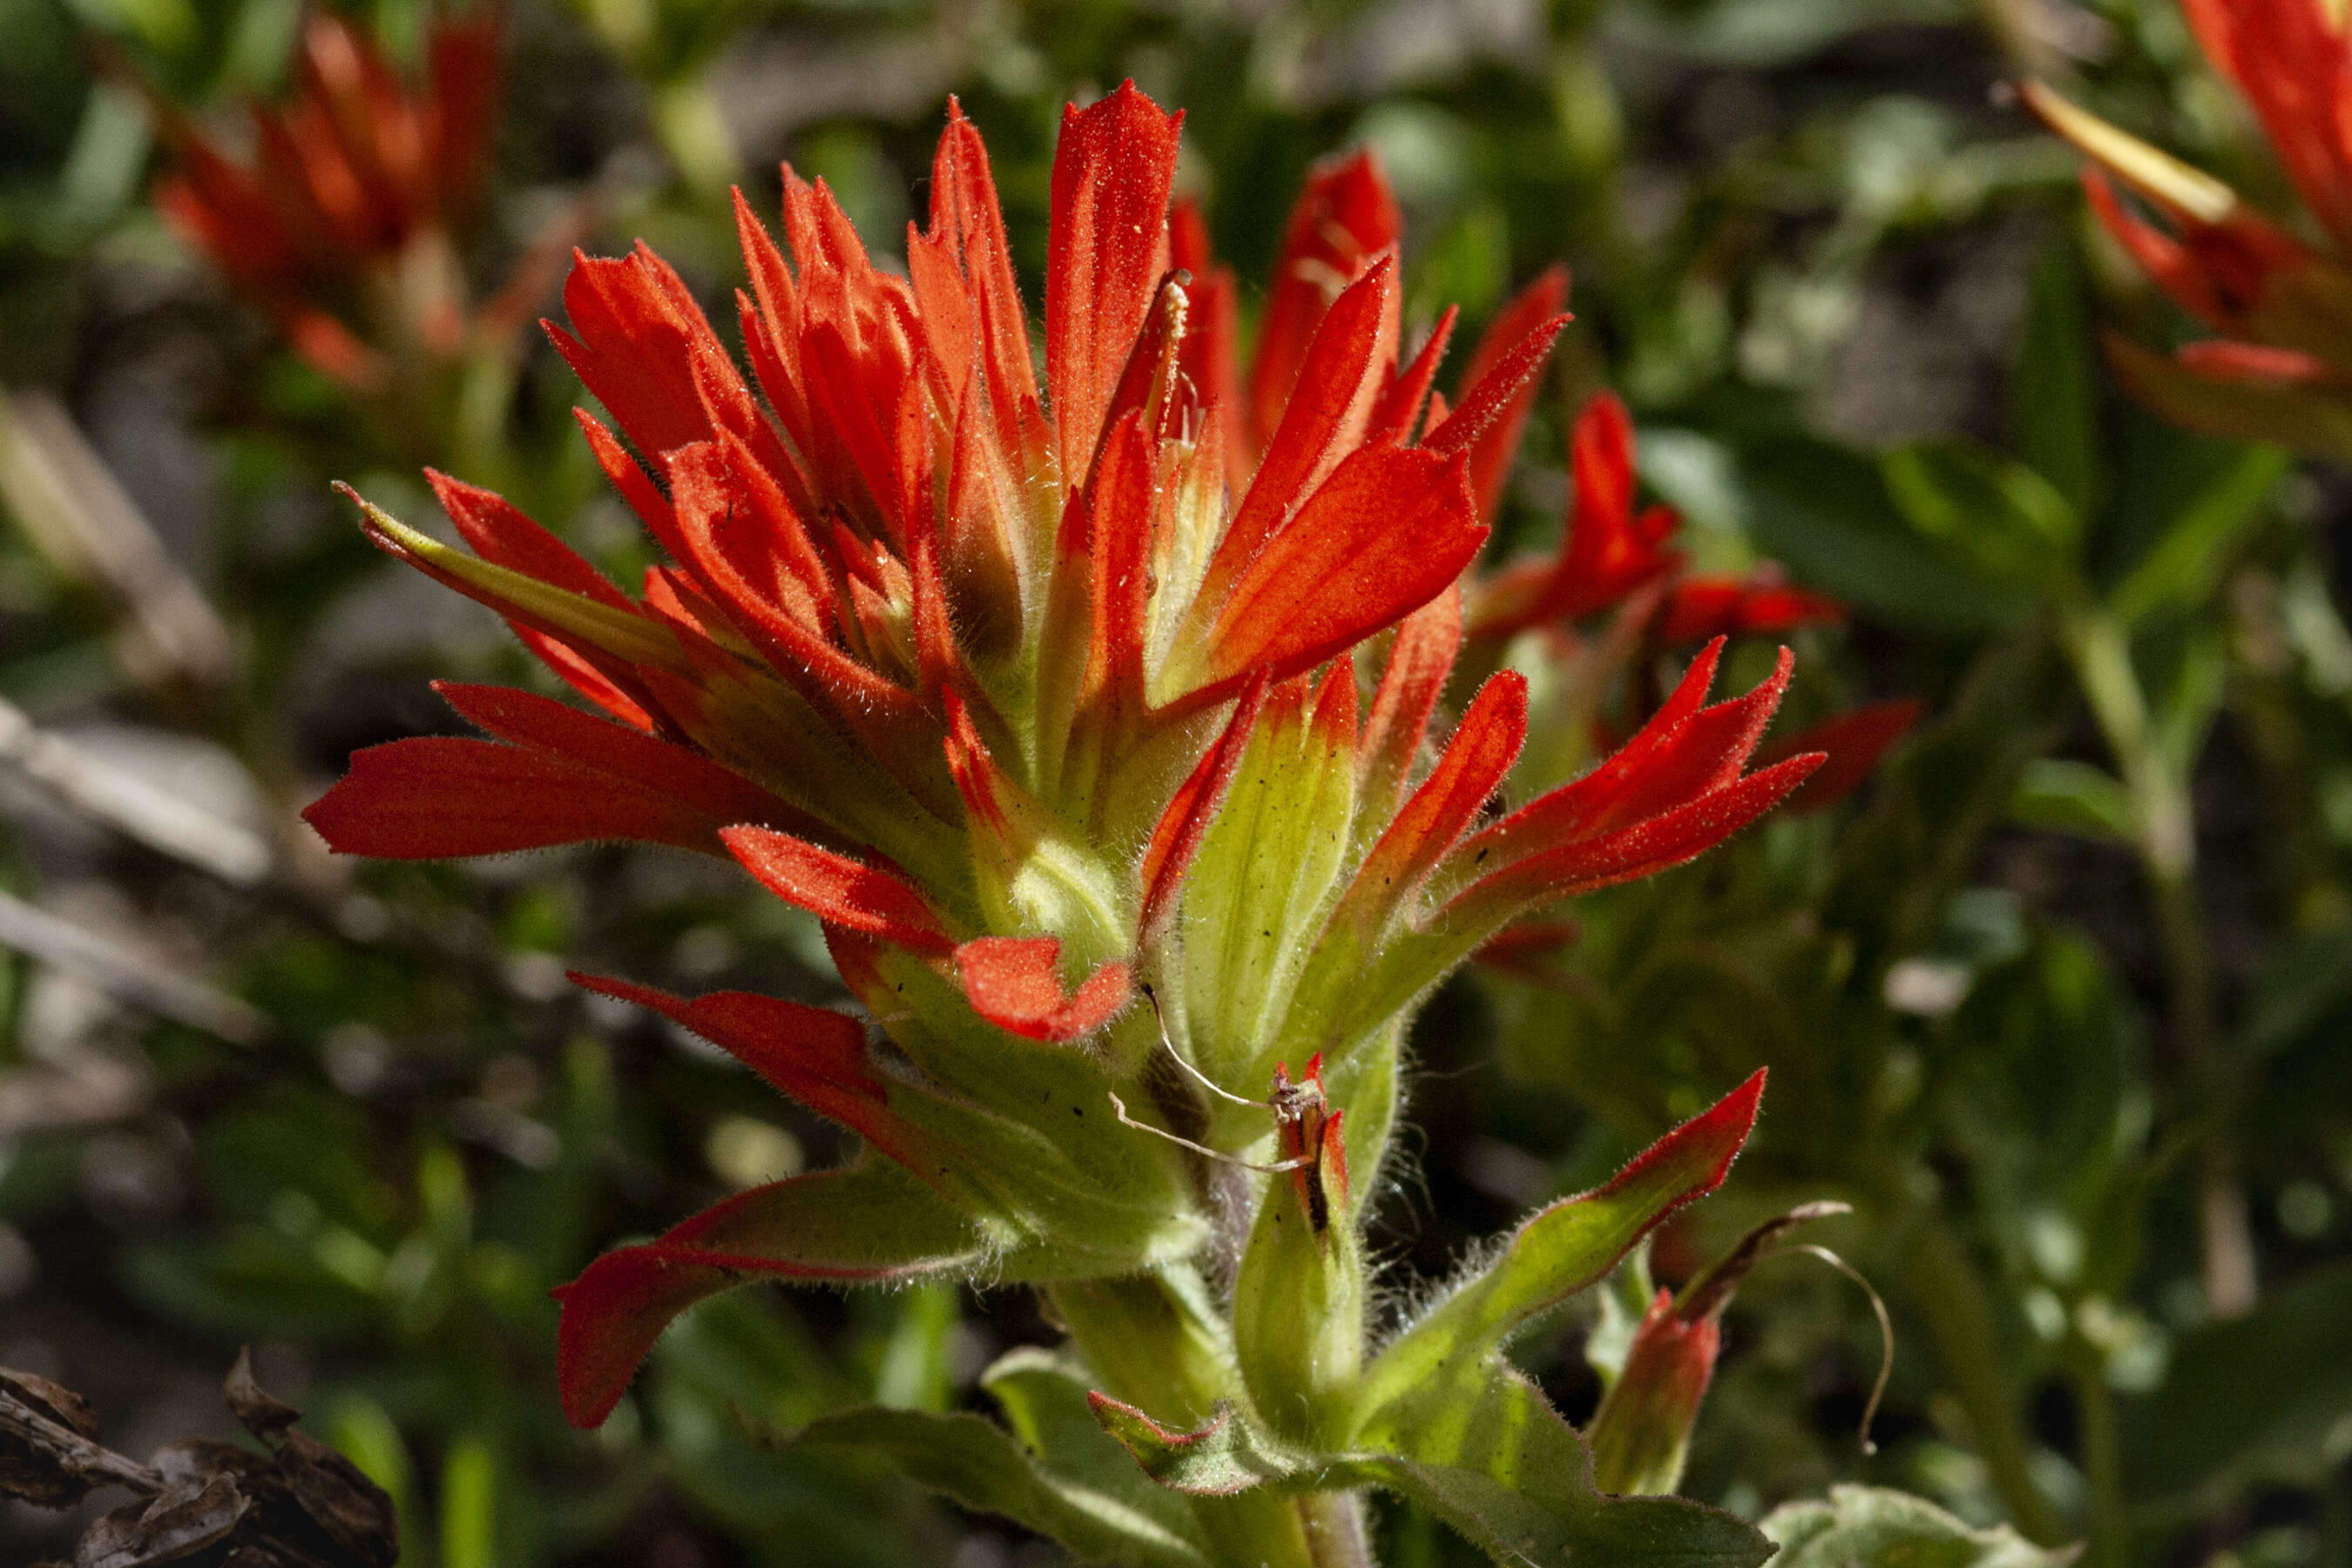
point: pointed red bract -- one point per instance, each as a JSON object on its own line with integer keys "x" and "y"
{"x": 567, "y": 778}
{"x": 355, "y": 189}
{"x": 1854, "y": 741}
{"x": 1386, "y": 534}
{"x": 1112, "y": 171}
{"x": 804, "y": 1228}
{"x": 1498, "y": 400}
{"x": 1420, "y": 660}
{"x": 1329, "y": 410}
{"x": 1607, "y": 551}
{"x": 1474, "y": 762}
{"x": 838, "y": 889}
{"x": 808, "y": 1055}
{"x": 1015, "y": 982}
{"x": 1701, "y": 608}
{"x": 436, "y": 799}
{"x": 1345, "y": 217}
{"x": 1532, "y": 316}
{"x": 1673, "y": 792}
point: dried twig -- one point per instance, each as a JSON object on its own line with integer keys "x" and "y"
{"x": 124, "y": 801}
{"x": 120, "y": 973}
{"x": 298, "y": 1505}
{"x": 63, "y": 494}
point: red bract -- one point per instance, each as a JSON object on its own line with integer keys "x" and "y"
{"x": 2282, "y": 370}
{"x": 342, "y": 227}
{"x": 1033, "y": 695}
{"x": 1610, "y": 548}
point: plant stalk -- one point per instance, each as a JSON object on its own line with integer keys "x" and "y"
{"x": 1952, "y": 1299}
{"x": 2166, "y": 839}
{"x": 2095, "y": 1407}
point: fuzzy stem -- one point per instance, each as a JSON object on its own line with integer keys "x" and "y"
{"x": 1151, "y": 1341}
{"x": 1334, "y": 1530}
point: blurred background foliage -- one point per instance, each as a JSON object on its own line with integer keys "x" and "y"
{"x": 354, "y": 1115}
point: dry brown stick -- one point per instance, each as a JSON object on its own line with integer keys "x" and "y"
{"x": 129, "y": 804}
{"x": 65, "y": 498}
{"x": 58, "y": 1447}
{"x": 89, "y": 956}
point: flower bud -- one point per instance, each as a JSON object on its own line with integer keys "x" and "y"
{"x": 1298, "y": 1304}
{"x": 1641, "y": 1433}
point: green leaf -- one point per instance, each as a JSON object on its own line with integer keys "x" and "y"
{"x": 1481, "y": 1450}
{"x": 986, "y": 1468}
{"x": 1496, "y": 1462}
{"x": 1259, "y": 890}
{"x": 2184, "y": 567}
{"x": 2073, "y": 797}
{"x": 1043, "y": 1396}
{"x": 2189, "y": 704}
{"x": 2055, "y": 391}
{"x": 469, "y": 1505}
{"x": 1825, "y": 513}
{"x": 1564, "y": 1248}
{"x": 2001, "y": 520}
{"x": 1226, "y": 1456}
{"x": 2259, "y": 1398}
{"x": 1872, "y": 1527}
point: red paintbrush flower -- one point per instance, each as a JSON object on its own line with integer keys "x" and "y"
{"x": 341, "y": 226}
{"x": 1031, "y": 693}
{"x": 1610, "y": 550}
{"x": 2282, "y": 370}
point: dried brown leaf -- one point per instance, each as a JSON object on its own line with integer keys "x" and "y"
{"x": 170, "y": 1527}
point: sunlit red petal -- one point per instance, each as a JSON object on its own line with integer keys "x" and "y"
{"x": 1390, "y": 530}
{"x": 1015, "y": 982}
{"x": 1467, "y": 774}
{"x": 839, "y": 889}
{"x": 1533, "y": 311}
{"x": 1112, "y": 171}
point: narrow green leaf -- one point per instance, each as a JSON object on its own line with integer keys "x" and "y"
{"x": 1996, "y": 517}
{"x": 469, "y": 1506}
{"x": 1481, "y": 1450}
{"x": 2185, "y": 566}
{"x": 2054, "y": 396}
{"x": 1564, "y": 1248}
{"x": 1872, "y": 1527}
{"x": 984, "y": 1468}
{"x": 2187, "y": 706}
{"x": 2073, "y": 797}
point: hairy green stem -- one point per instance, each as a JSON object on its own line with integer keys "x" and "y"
{"x": 1335, "y": 1535}
{"x": 1159, "y": 1342}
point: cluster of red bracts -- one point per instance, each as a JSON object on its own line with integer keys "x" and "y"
{"x": 2282, "y": 369}
{"x": 1014, "y": 686}
{"x": 343, "y": 226}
